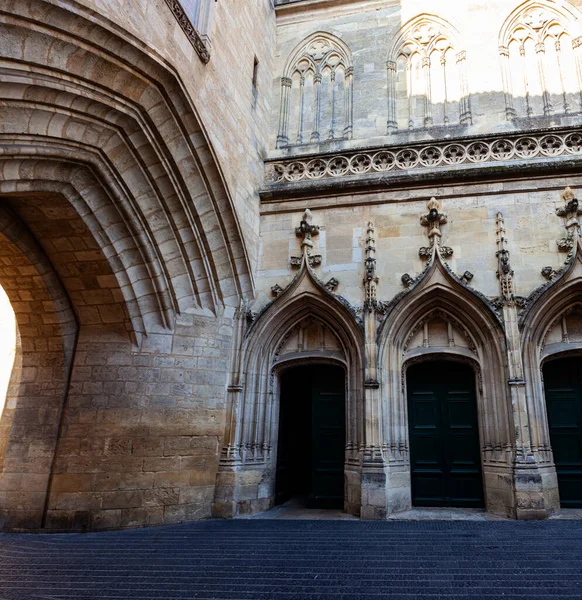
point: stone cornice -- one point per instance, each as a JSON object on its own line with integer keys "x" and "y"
{"x": 436, "y": 158}
{"x": 189, "y": 30}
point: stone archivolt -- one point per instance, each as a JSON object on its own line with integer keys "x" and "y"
{"x": 442, "y": 155}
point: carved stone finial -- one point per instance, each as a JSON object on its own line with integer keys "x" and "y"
{"x": 433, "y": 221}
{"x": 306, "y": 231}
{"x": 504, "y": 271}
{"x": 570, "y": 212}
{"x": 370, "y": 278}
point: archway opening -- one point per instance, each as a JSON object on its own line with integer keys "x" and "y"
{"x": 563, "y": 388}
{"x": 311, "y": 443}
{"x": 445, "y": 457}
{"x": 7, "y": 357}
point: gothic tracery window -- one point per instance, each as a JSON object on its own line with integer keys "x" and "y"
{"x": 316, "y": 93}
{"x": 427, "y": 80}
{"x": 541, "y": 60}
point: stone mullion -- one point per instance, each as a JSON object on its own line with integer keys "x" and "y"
{"x": 409, "y": 86}
{"x": 528, "y": 109}
{"x": 301, "y": 109}
{"x": 316, "y": 108}
{"x": 541, "y": 53}
{"x": 256, "y": 440}
{"x": 510, "y": 113}
{"x": 348, "y": 97}
{"x": 427, "y": 91}
{"x": 465, "y": 104}
{"x": 392, "y": 124}
{"x": 561, "y": 73}
{"x": 283, "y": 137}
{"x": 577, "y": 47}
{"x": 332, "y": 97}
{"x": 446, "y": 98}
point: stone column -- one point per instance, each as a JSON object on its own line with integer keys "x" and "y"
{"x": 282, "y": 136}
{"x": 527, "y": 480}
{"x": 566, "y": 104}
{"x": 332, "y": 100}
{"x": 316, "y": 109}
{"x": 577, "y": 47}
{"x": 374, "y": 480}
{"x": 348, "y": 91}
{"x": 427, "y": 92}
{"x": 541, "y": 53}
{"x": 392, "y": 124}
{"x": 446, "y": 95}
{"x": 528, "y": 109}
{"x": 301, "y": 109}
{"x": 510, "y": 113}
{"x": 225, "y": 501}
{"x": 465, "y": 115}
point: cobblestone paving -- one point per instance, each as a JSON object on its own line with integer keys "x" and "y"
{"x": 300, "y": 560}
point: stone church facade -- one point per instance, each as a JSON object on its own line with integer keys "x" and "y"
{"x": 327, "y": 248}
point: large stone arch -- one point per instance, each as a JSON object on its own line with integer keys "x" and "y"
{"x": 544, "y": 326}
{"x": 246, "y": 478}
{"x": 121, "y": 105}
{"x": 105, "y": 163}
{"x": 466, "y": 329}
{"x": 40, "y": 381}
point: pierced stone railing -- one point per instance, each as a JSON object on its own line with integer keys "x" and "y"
{"x": 425, "y": 156}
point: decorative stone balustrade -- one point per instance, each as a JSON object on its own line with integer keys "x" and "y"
{"x": 425, "y": 156}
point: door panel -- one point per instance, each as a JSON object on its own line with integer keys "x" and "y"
{"x": 328, "y": 437}
{"x": 445, "y": 455}
{"x": 563, "y": 387}
{"x": 311, "y": 448}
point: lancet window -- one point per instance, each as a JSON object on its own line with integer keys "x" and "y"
{"x": 317, "y": 93}
{"x": 427, "y": 77}
{"x": 541, "y": 60}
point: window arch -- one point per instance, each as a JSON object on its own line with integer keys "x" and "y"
{"x": 427, "y": 78}
{"x": 540, "y": 49}
{"x": 317, "y": 92}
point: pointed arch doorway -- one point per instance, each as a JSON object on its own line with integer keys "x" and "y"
{"x": 563, "y": 388}
{"x": 312, "y": 436}
{"x": 445, "y": 456}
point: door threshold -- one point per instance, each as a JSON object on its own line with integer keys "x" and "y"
{"x": 296, "y": 510}
{"x": 446, "y": 514}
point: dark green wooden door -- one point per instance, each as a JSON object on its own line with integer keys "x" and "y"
{"x": 563, "y": 386}
{"x": 311, "y": 448}
{"x": 445, "y": 457}
{"x": 328, "y": 437}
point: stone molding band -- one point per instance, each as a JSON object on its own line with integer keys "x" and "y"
{"x": 420, "y": 156}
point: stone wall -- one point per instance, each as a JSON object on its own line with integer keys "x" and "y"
{"x": 234, "y": 118}
{"x": 142, "y": 428}
{"x": 375, "y": 31}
